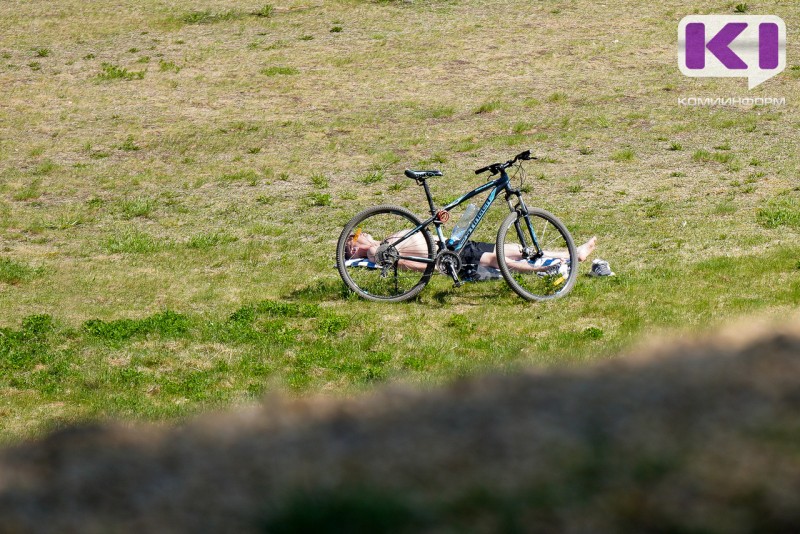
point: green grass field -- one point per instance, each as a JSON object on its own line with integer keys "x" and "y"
{"x": 174, "y": 176}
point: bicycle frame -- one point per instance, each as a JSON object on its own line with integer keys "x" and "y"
{"x": 496, "y": 186}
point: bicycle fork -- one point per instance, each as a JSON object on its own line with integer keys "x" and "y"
{"x": 528, "y": 252}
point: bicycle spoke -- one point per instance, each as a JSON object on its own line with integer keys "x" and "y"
{"x": 541, "y": 234}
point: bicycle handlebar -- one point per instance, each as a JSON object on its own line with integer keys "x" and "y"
{"x": 497, "y": 167}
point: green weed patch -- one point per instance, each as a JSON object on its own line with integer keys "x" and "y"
{"x": 279, "y": 71}
{"x": 167, "y": 324}
{"x": 23, "y": 348}
{"x": 781, "y": 211}
{"x": 210, "y": 17}
{"x": 13, "y": 272}
{"x": 109, "y": 72}
{"x": 131, "y": 242}
{"x": 207, "y": 241}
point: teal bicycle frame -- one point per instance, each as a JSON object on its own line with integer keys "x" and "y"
{"x": 496, "y": 186}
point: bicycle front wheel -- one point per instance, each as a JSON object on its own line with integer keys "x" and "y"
{"x": 380, "y": 272}
{"x": 539, "y": 259}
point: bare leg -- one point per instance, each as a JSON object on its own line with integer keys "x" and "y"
{"x": 587, "y": 248}
{"x": 583, "y": 251}
{"x": 517, "y": 263}
{"x": 489, "y": 259}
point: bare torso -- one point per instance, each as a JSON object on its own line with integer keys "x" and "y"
{"x": 413, "y": 246}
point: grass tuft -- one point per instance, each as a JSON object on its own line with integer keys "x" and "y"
{"x": 166, "y": 324}
{"x": 45, "y": 167}
{"x": 210, "y": 240}
{"x": 13, "y": 272}
{"x": 129, "y": 145}
{"x": 701, "y": 155}
{"x": 442, "y": 112}
{"x": 577, "y": 188}
{"x": 726, "y": 207}
{"x": 522, "y": 127}
{"x": 279, "y": 71}
{"x": 372, "y": 178}
{"x": 655, "y": 209}
{"x": 137, "y": 207}
{"x": 592, "y": 332}
{"x": 209, "y": 17}
{"x": 488, "y": 107}
{"x": 109, "y": 71}
{"x": 247, "y": 175}
{"x": 780, "y": 211}
{"x": 332, "y": 324}
{"x": 624, "y": 155}
{"x": 723, "y": 157}
{"x": 724, "y": 146}
{"x": 320, "y": 199}
{"x": 168, "y": 66}
{"x": 29, "y": 192}
{"x": 131, "y": 242}
{"x": 320, "y": 181}
{"x": 265, "y": 11}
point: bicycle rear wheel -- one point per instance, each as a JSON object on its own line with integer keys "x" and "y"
{"x": 540, "y": 261}
{"x": 382, "y": 276}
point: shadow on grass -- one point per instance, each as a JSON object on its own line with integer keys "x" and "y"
{"x": 321, "y": 290}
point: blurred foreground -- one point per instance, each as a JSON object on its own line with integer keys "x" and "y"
{"x": 700, "y": 436}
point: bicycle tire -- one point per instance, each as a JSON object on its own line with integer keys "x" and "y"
{"x": 542, "y": 285}
{"x": 394, "y": 284}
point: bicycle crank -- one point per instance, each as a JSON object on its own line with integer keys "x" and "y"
{"x": 449, "y": 263}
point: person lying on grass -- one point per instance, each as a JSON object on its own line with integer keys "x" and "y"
{"x": 473, "y": 253}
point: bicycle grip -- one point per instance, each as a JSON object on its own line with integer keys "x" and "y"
{"x": 484, "y": 169}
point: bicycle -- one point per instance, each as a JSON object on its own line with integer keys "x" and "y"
{"x": 539, "y": 260}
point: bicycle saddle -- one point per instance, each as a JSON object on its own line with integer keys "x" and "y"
{"x": 419, "y": 175}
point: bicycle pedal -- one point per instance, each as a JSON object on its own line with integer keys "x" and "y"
{"x": 454, "y": 276}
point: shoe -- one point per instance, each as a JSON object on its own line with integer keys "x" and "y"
{"x": 552, "y": 268}
{"x": 600, "y": 268}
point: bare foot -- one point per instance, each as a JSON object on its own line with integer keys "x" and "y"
{"x": 587, "y": 248}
